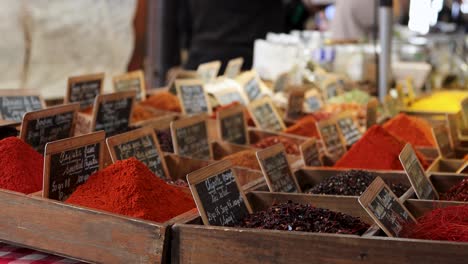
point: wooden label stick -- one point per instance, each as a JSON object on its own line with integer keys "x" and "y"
{"x": 232, "y": 125}
{"x": 281, "y": 82}
{"x": 15, "y": 103}
{"x": 192, "y": 96}
{"x": 208, "y": 72}
{"x": 84, "y": 89}
{"x": 276, "y": 170}
{"x": 265, "y": 115}
{"x": 190, "y": 137}
{"x": 234, "y": 67}
{"x": 371, "y": 113}
{"x": 69, "y": 163}
{"x": 131, "y": 81}
{"x": 112, "y": 112}
{"x": 219, "y": 197}
{"x": 421, "y": 184}
{"x": 332, "y": 139}
{"x": 384, "y": 207}
{"x": 51, "y": 124}
{"x": 141, "y": 144}
{"x": 294, "y": 109}
{"x": 310, "y": 153}
{"x": 441, "y": 136}
{"x": 348, "y": 127}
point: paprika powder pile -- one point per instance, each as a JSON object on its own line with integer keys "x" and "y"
{"x": 414, "y": 130}
{"x": 141, "y": 113}
{"x": 129, "y": 188}
{"x": 305, "y": 127}
{"x": 246, "y": 158}
{"x": 289, "y": 145}
{"x": 21, "y": 167}
{"x": 164, "y": 101}
{"x": 378, "y": 150}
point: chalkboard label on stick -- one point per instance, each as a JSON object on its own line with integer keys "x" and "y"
{"x": 192, "y": 96}
{"x": 234, "y": 67}
{"x": 131, "y": 81}
{"x": 15, "y": 103}
{"x": 232, "y": 125}
{"x": 295, "y": 109}
{"x": 229, "y": 95}
{"x": 51, "y": 124}
{"x": 334, "y": 143}
{"x": 69, "y": 163}
{"x": 371, "y": 112}
{"x": 313, "y": 101}
{"x": 310, "y": 153}
{"x": 281, "y": 82}
{"x": 190, "y": 137}
{"x": 421, "y": 184}
{"x": 208, "y": 72}
{"x": 162, "y": 128}
{"x": 219, "y": 197}
{"x": 112, "y": 112}
{"x": 441, "y": 136}
{"x": 265, "y": 115}
{"x": 84, "y": 89}
{"x": 384, "y": 207}
{"x": 251, "y": 85}
{"x": 141, "y": 144}
{"x": 348, "y": 127}
{"x": 276, "y": 170}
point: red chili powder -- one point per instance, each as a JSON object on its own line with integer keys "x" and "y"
{"x": 305, "y": 126}
{"x": 21, "y": 167}
{"x": 164, "y": 101}
{"x": 377, "y": 149}
{"x": 414, "y": 130}
{"x": 129, "y": 188}
{"x": 458, "y": 192}
{"x": 140, "y": 113}
{"x": 289, "y": 145}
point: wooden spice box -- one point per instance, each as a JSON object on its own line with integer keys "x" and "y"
{"x": 196, "y": 243}
{"x": 82, "y": 233}
{"x": 442, "y": 182}
{"x": 446, "y": 165}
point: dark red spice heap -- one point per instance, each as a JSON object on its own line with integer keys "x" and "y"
{"x": 449, "y": 223}
{"x": 304, "y": 217}
{"x": 458, "y": 192}
{"x": 129, "y": 188}
{"x": 165, "y": 140}
{"x": 290, "y": 146}
{"x": 353, "y": 182}
{"x": 21, "y": 167}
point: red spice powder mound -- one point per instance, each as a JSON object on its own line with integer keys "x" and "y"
{"x": 164, "y": 101}
{"x": 21, "y": 167}
{"x": 305, "y": 126}
{"x": 377, "y": 149}
{"x": 246, "y": 158}
{"x": 414, "y": 130}
{"x": 129, "y": 188}
{"x": 140, "y": 113}
{"x": 289, "y": 145}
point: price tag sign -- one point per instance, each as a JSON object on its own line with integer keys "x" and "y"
{"x": 334, "y": 143}
{"x": 51, "y": 124}
{"x": 232, "y": 125}
{"x": 313, "y": 101}
{"x": 276, "y": 170}
{"x": 310, "y": 153}
{"x": 265, "y": 115}
{"x": 348, "y": 127}
{"x": 331, "y": 88}
{"x": 384, "y": 207}
{"x": 230, "y": 95}
{"x": 190, "y": 137}
{"x": 208, "y": 71}
{"x": 441, "y": 135}
{"x": 281, "y": 82}
{"x": 141, "y": 144}
{"x": 295, "y": 109}
{"x": 84, "y": 89}
{"x": 371, "y": 113}
{"x": 192, "y": 96}
{"x": 15, "y": 103}
{"x": 112, "y": 112}
{"x": 421, "y": 184}
{"x": 162, "y": 128}
{"x": 251, "y": 85}
{"x": 234, "y": 67}
{"x": 131, "y": 81}
{"x": 69, "y": 163}
{"x": 218, "y": 195}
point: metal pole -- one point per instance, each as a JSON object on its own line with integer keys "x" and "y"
{"x": 385, "y": 36}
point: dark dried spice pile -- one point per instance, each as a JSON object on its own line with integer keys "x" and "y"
{"x": 458, "y": 192}
{"x": 352, "y": 182}
{"x": 165, "y": 140}
{"x": 304, "y": 217}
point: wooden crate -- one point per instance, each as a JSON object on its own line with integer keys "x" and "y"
{"x": 441, "y": 165}
{"x": 430, "y": 154}
{"x": 209, "y": 244}
{"x": 83, "y": 233}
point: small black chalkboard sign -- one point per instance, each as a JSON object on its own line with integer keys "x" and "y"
{"x": 51, "y": 124}
{"x": 295, "y": 109}
{"x": 113, "y": 112}
{"x": 265, "y": 115}
{"x": 218, "y": 195}
{"x": 233, "y": 125}
{"x": 332, "y": 139}
{"x": 129, "y": 81}
{"x": 192, "y": 96}
{"x": 84, "y": 89}
{"x": 190, "y": 137}
{"x": 310, "y": 153}
{"x": 252, "y": 89}
{"x": 349, "y": 129}
{"x": 70, "y": 162}
{"x": 15, "y": 103}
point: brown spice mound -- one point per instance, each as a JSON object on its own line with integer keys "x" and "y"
{"x": 140, "y": 113}
{"x": 164, "y": 101}
{"x": 289, "y": 144}
{"x": 245, "y": 158}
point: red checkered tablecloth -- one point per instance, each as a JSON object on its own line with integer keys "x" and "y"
{"x": 15, "y": 255}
